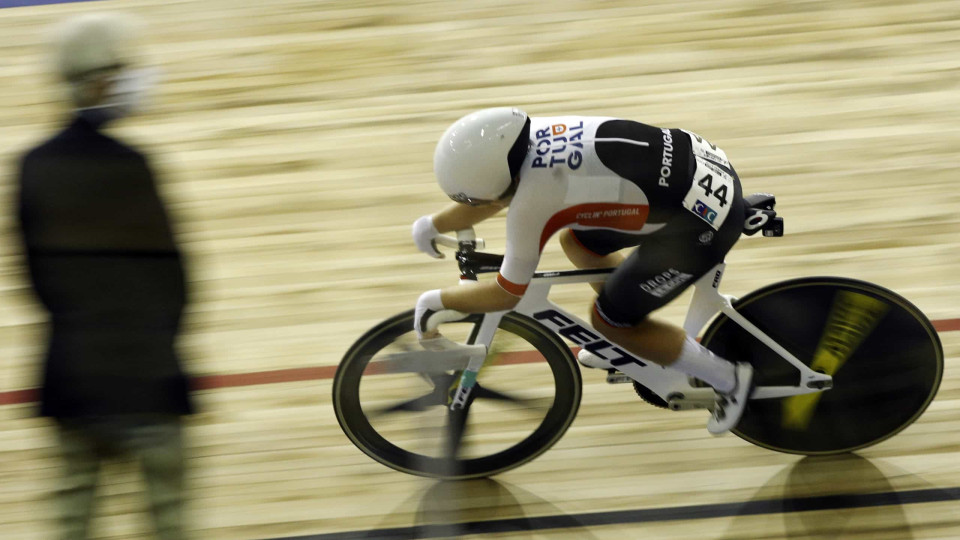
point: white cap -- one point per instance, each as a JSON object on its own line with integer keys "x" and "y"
{"x": 94, "y": 41}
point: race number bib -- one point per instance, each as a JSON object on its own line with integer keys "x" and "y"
{"x": 712, "y": 191}
{"x": 707, "y": 150}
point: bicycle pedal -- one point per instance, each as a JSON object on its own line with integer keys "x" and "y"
{"x": 615, "y": 377}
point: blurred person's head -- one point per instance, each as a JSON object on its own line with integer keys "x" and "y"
{"x": 98, "y": 56}
{"x": 478, "y": 159}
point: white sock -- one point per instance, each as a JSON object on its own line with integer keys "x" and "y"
{"x": 695, "y": 360}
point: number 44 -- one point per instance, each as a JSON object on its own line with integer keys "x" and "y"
{"x": 720, "y": 194}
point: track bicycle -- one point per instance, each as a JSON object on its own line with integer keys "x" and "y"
{"x": 840, "y": 364}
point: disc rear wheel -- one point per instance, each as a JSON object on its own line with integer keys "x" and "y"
{"x": 883, "y": 353}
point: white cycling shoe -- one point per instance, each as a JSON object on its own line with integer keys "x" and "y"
{"x": 730, "y": 406}
{"x": 590, "y": 360}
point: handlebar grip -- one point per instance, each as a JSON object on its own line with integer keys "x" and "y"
{"x": 466, "y": 235}
{"x": 444, "y": 316}
{"x": 447, "y": 241}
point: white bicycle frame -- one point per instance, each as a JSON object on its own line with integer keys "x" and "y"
{"x": 673, "y": 386}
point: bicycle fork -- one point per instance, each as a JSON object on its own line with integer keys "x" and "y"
{"x": 477, "y": 358}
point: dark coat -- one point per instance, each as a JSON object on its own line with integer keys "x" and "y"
{"x": 103, "y": 262}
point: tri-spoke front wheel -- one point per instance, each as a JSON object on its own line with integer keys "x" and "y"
{"x": 392, "y": 400}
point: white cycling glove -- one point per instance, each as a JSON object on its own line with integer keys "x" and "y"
{"x": 428, "y": 304}
{"x": 423, "y": 234}
{"x": 430, "y": 310}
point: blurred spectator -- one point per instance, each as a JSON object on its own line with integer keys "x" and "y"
{"x": 104, "y": 263}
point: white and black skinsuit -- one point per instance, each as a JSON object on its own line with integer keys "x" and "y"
{"x": 619, "y": 183}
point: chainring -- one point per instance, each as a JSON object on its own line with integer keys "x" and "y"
{"x": 647, "y": 395}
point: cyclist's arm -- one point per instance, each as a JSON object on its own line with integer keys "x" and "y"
{"x": 460, "y": 216}
{"x": 482, "y": 297}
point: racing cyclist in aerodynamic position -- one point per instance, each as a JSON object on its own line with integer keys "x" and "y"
{"x": 606, "y": 184}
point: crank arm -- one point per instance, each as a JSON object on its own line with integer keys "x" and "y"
{"x": 694, "y": 398}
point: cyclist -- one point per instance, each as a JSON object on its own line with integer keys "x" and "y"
{"x": 605, "y": 184}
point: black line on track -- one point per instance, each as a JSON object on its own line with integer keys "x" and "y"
{"x": 652, "y": 515}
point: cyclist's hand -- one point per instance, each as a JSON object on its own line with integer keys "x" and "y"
{"x": 430, "y": 312}
{"x": 423, "y": 234}
{"x": 428, "y": 304}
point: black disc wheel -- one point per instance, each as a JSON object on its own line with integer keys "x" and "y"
{"x": 883, "y": 354}
{"x": 392, "y": 400}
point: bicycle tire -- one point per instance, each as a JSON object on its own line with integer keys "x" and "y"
{"x": 891, "y": 369}
{"x": 355, "y": 424}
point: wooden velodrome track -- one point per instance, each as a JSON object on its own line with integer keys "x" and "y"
{"x": 295, "y": 139}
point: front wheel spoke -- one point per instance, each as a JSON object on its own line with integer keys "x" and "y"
{"x": 488, "y": 393}
{"x": 455, "y": 430}
{"x": 419, "y": 404}
{"x": 534, "y": 405}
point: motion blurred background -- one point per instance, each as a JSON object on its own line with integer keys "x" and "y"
{"x": 294, "y": 141}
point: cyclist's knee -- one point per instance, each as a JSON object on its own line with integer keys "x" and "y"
{"x": 605, "y": 323}
{"x": 566, "y": 240}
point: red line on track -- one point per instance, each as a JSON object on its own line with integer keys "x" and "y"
{"x": 231, "y": 380}
{"x": 209, "y": 382}
{"x": 19, "y": 396}
{"x": 947, "y": 325}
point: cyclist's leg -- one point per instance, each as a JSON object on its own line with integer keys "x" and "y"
{"x": 650, "y": 278}
{"x": 653, "y": 339}
{"x": 668, "y": 262}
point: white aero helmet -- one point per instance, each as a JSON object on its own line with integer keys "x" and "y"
{"x": 479, "y": 156}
